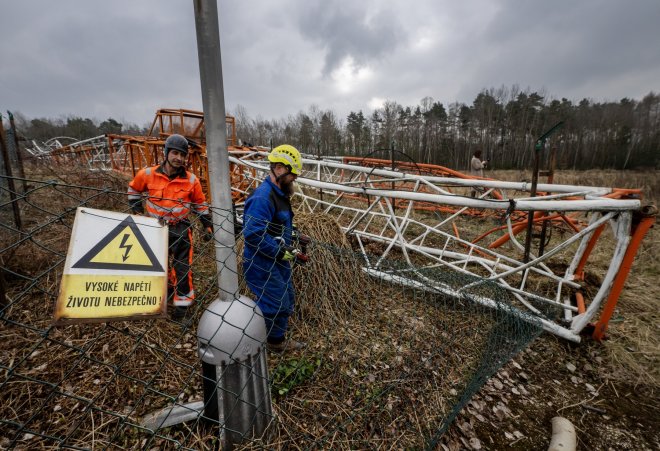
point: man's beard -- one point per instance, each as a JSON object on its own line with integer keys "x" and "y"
{"x": 174, "y": 164}
{"x": 287, "y": 188}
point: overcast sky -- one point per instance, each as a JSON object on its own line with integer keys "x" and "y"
{"x": 126, "y": 58}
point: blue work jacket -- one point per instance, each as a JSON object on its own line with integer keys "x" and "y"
{"x": 267, "y": 229}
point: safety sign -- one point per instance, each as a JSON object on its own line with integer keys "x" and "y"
{"x": 115, "y": 268}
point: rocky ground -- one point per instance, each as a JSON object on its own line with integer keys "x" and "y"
{"x": 551, "y": 378}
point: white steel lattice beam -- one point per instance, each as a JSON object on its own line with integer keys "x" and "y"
{"x": 376, "y": 218}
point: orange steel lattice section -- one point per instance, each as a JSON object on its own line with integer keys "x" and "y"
{"x": 128, "y": 154}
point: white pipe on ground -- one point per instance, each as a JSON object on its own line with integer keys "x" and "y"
{"x": 563, "y": 435}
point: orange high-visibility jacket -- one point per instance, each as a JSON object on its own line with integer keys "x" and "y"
{"x": 168, "y": 200}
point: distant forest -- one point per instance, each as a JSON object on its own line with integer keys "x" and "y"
{"x": 503, "y": 123}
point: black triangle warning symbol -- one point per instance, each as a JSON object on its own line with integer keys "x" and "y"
{"x": 123, "y": 248}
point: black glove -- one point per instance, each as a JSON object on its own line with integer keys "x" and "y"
{"x": 302, "y": 239}
{"x": 208, "y": 234}
{"x": 136, "y": 207}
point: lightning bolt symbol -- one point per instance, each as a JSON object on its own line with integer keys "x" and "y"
{"x": 123, "y": 245}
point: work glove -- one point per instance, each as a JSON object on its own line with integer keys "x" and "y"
{"x": 302, "y": 239}
{"x": 291, "y": 254}
{"x": 136, "y": 207}
{"x": 208, "y": 234}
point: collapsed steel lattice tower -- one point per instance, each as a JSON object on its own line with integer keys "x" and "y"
{"x": 421, "y": 214}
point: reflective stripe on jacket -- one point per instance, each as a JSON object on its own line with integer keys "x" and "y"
{"x": 168, "y": 200}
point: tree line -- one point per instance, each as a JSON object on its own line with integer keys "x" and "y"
{"x": 503, "y": 123}
{"x": 43, "y": 129}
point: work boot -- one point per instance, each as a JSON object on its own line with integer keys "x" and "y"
{"x": 288, "y": 345}
{"x": 181, "y": 315}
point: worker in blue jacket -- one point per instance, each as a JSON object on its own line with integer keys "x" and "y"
{"x": 270, "y": 245}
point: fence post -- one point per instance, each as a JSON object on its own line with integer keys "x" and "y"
{"x": 19, "y": 157}
{"x": 3, "y": 294}
{"x": 538, "y": 147}
{"x": 10, "y": 179}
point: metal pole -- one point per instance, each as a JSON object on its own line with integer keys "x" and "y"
{"x": 393, "y": 168}
{"x": 540, "y": 144}
{"x": 3, "y": 296}
{"x": 551, "y": 177}
{"x": 318, "y": 157}
{"x": 10, "y": 179}
{"x": 530, "y": 215}
{"x": 213, "y": 101}
{"x": 248, "y": 410}
{"x": 19, "y": 157}
{"x": 251, "y": 411}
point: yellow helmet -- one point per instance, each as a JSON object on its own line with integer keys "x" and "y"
{"x": 288, "y": 156}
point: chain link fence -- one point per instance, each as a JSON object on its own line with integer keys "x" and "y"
{"x": 387, "y": 365}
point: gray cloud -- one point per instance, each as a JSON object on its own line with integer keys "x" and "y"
{"x": 591, "y": 48}
{"x": 95, "y": 58}
{"x": 125, "y": 59}
{"x": 350, "y": 29}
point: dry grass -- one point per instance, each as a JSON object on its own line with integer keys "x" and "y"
{"x": 634, "y": 344}
{"x": 648, "y": 181}
{"x": 386, "y": 373}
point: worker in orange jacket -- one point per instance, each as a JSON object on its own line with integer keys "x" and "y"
{"x": 172, "y": 194}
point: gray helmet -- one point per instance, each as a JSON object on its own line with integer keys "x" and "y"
{"x": 177, "y": 142}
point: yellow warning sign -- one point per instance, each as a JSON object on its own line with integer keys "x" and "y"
{"x": 115, "y": 268}
{"x": 123, "y": 248}
{"x": 110, "y": 296}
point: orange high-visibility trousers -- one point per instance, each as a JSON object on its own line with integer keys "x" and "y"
{"x": 181, "y": 257}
